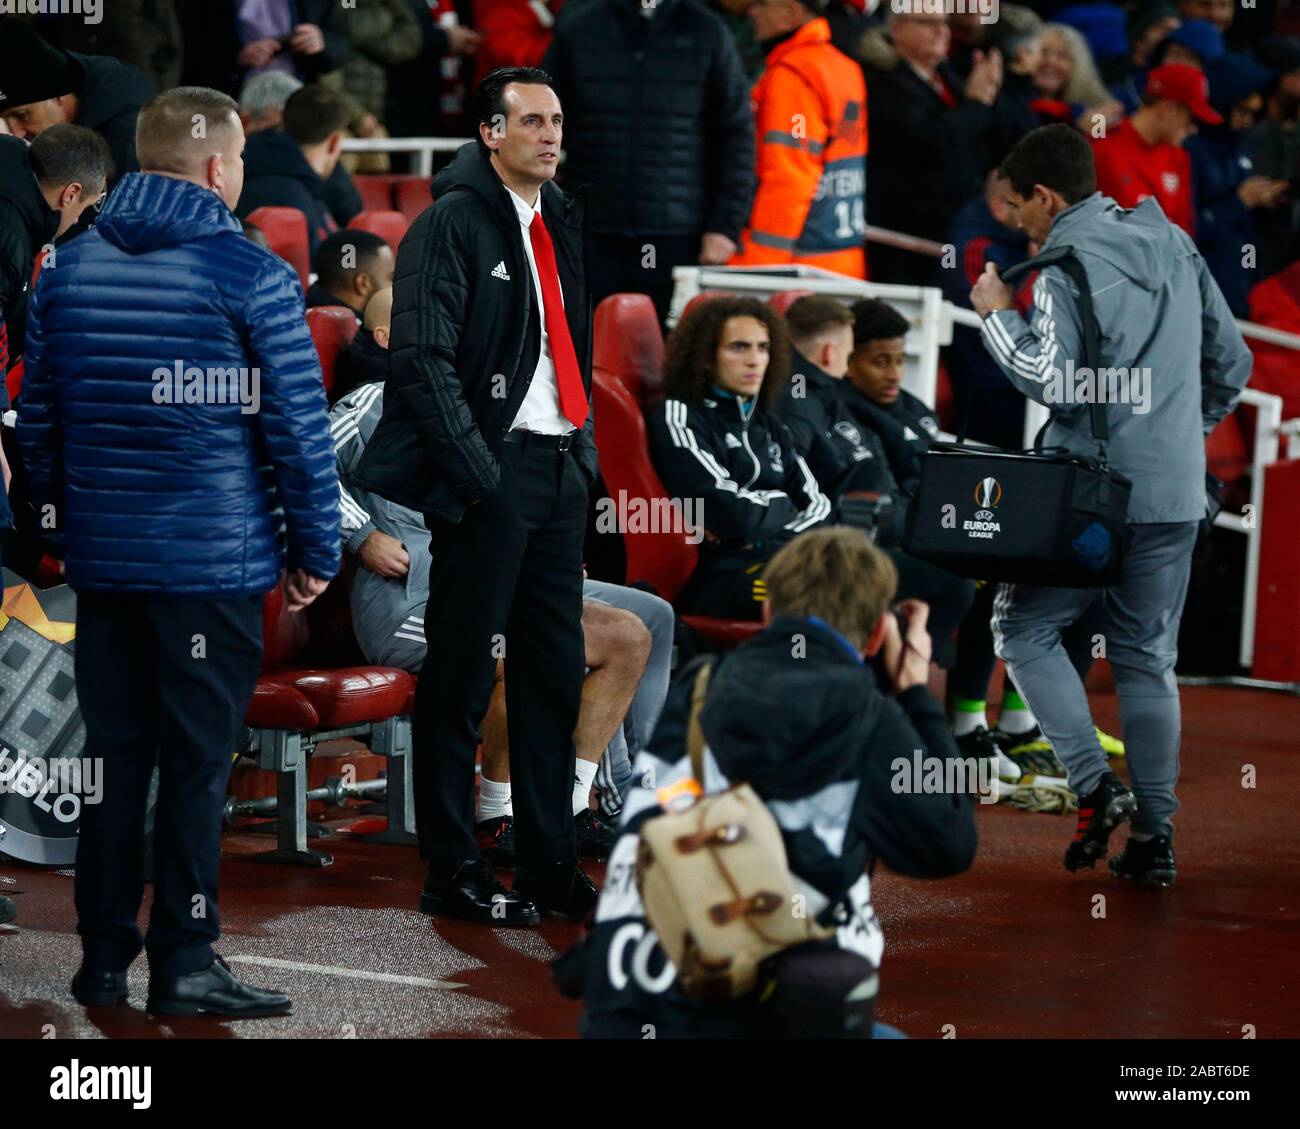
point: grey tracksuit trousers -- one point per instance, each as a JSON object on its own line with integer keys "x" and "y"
{"x": 1139, "y": 638}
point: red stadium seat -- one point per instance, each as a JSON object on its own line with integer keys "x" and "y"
{"x": 629, "y": 343}
{"x": 704, "y": 296}
{"x": 376, "y": 192}
{"x": 411, "y": 195}
{"x": 332, "y": 330}
{"x": 389, "y": 226}
{"x": 286, "y": 234}
{"x": 785, "y": 299}
{"x": 664, "y": 560}
{"x": 298, "y": 702}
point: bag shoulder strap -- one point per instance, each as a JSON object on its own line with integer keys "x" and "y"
{"x": 1068, "y": 261}
{"x": 694, "y": 731}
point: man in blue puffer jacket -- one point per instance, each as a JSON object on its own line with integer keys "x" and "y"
{"x": 174, "y": 428}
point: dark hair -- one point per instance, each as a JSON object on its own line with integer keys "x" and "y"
{"x": 691, "y": 357}
{"x": 165, "y": 131}
{"x": 327, "y": 262}
{"x": 313, "y": 113}
{"x": 814, "y": 314}
{"x": 874, "y": 320}
{"x": 489, "y": 100}
{"x": 63, "y": 154}
{"x": 1057, "y": 156}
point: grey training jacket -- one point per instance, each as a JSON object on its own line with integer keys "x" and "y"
{"x": 1171, "y": 354}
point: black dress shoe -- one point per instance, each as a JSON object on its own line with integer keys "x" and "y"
{"x": 99, "y": 987}
{"x": 214, "y": 991}
{"x": 8, "y": 911}
{"x": 474, "y": 894}
{"x": 567, "y": 892}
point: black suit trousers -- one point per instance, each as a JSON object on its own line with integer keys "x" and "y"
{"x": 506, "y": 581}
{"x": 166, "y": 680}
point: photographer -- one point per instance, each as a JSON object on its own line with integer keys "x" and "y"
{"x": 801, "y": 717}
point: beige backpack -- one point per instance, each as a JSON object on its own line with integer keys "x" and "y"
{"x": 715, "y": 882}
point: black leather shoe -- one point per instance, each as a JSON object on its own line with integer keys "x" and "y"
{"x": 214, "y": 991}
{"x": 99, "y": 987}
{"x": 8, "y": 911}
{"x": 474, "y": 894}
{"x": 567, "y": 893}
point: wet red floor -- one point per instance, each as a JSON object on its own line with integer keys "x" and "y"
{"x": 1014, "y": 948}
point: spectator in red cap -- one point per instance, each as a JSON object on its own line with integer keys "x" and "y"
{"x": 1143, "y": 155}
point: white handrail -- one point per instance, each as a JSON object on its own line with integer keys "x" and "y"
{"x": 426, "y": 147}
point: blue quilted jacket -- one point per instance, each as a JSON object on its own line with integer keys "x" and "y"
{"x": 172, "y": 417}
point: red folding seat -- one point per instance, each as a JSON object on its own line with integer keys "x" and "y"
{"x": 411, "y": 195}
{"x": 783, "y": 300}
{"x": 376, "y": 191}
{"x": 286, "y": 234}
{"x": 332, "y": 330}
{"x": 628, "y": 342}
{"x": 298, "y": 702}
{"x": 389, "y": 226}
{"x": 665, "y": 559}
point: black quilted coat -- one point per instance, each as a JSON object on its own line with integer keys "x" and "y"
{"x": 656, "y": 117}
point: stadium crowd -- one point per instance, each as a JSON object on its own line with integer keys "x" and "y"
{"x": 740, "y": 132}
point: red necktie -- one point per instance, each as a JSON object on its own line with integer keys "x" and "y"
{"x": 573, "y": 397}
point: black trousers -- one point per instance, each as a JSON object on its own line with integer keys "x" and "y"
{"x": 619, "y": 265}
{"x": 505, "y": 581}
{"x": 161, "y": 680}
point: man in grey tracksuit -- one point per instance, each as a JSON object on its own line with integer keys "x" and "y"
{"x": 388, "y": 602}
{"x": 1181, "y": 364}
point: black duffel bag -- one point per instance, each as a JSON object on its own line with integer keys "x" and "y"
{"x": 1044, "y": 516}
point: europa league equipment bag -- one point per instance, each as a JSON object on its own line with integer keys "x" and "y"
{"x": 1043, "y": 516}
{"x": 716, "y": 885}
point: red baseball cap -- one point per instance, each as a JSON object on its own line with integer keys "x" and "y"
{"x": 1178, "y": 82}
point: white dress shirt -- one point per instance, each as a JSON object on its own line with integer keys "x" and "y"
{"x": 540, "y": 410}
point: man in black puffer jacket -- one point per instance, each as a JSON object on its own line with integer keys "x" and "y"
{"x": 487, "y": 432}
{"x": 43, "y": 86}
{"x": 659, "y": 124}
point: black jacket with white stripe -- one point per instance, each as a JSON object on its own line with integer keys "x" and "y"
{"x": 740, "y": 461}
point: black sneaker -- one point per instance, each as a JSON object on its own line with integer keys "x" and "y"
{"x": 1008, "y": 741}
{"x": 496, "y": 841}
{"x": 1148, "y": 864}
{"x": 595, "y": 837}
{"x": 979, "y": 745}
{"x": 1100, "y": 812}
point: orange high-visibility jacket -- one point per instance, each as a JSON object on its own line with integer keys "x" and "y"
{"x": 810, "y": 108}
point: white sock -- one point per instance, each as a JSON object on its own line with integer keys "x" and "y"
{"x": 965, "y": 722}
{"x": 493, "y": 799}
{"x": 1016, "y": 721}
{"x": 1140, "y": 836}
{"x": 584, "y": 776}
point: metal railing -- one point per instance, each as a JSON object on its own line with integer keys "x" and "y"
{"x": 423, "y": 147}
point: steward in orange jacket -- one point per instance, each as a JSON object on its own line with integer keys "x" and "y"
{"x": 810, "y": 109}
